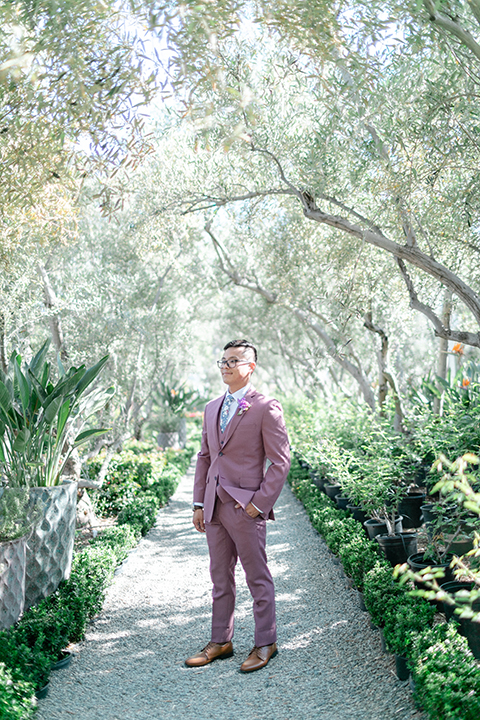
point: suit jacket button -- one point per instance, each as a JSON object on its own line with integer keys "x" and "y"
{"x": 220, "y": 453}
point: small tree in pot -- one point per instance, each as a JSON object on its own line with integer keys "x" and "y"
{"x": 41, "y": 422}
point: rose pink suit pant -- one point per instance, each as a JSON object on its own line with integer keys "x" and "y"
{"x": 233, "y": 534}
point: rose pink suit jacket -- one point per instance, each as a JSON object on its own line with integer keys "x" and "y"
{"x": 236, "y": 458}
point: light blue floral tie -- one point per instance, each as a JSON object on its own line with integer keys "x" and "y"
{"x": 225, "y": 411}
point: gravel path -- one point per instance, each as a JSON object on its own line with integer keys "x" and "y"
{"x": 130, "y": 666}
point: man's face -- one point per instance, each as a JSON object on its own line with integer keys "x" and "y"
{"x": 238, "y": 376}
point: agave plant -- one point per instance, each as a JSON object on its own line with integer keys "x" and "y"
{"x": 41, "y": 422}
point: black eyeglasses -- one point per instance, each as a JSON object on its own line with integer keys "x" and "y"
{"x": 231, "y": 363}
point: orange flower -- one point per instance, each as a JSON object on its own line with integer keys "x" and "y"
{"x": 465, "y": 382}
{"x": 458, "y": 348}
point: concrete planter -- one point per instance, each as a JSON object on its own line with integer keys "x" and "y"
{"x": 176, "y": 439}
{"x": 12, "y": 581}
{"x": 50, "y": 546}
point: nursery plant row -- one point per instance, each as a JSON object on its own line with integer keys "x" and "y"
{"x": 444, "y": 674}
{"x": 139, "y": 482}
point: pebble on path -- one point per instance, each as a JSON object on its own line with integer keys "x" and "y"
{"x": 157, "y": 612}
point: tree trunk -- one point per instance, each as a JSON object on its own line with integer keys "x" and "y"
{"x": 382, "y": 354}
{"x": 3, "y": 349}
{"x": 54, "y": 318}
{"x": 385, "y": 377}
{"x": 443, "y": 347}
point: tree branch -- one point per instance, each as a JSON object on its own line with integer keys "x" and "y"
{"x": 372, "y": 235}
{"x": 233, "y": 273}
{"x": 440, "y": 330}
{"x": 453, "y": 27}
{"x": 413, "y": 255}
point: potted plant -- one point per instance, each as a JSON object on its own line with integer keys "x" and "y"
{"x": 459, "y": 484}
{"x": 381, "y": 485}
{"x": 16, "y": 519}
{"x": 171, "y": 401}
{"x": 41, "y": 422}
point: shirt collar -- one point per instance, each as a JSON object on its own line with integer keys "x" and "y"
{"x": 239, "y": 394}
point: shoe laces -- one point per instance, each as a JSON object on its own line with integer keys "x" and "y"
{"x": 210, "y": 646}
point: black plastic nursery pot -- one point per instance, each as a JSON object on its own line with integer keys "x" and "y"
{"x": 377, "y": 527}
{"x": 358, "y": 513}
{"x": 43, "y": 692}
{"x": 461, "y": 545}
{"x": 452, "y": 587}
{"x": 427, "y": 512}
{"x": 468, "y": 628}
{"x": 417, "y": 562}
{"x": 317, "y": 479}
{"x": 411, "y": 509}
{"x": 342, "y": 501}
{"x": 397, "y": 548}
{"x": 471, "y": 630}
{"x": 63, "y": 661}
{"x": 333, "y": 490}
{"x": 401, "y": 668}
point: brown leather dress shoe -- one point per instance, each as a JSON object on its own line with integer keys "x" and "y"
{"x": 259, "y": 657}
{"x": 210, "y": 652}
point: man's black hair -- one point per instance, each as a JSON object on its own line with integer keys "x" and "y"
{"x": 243, "y": 344}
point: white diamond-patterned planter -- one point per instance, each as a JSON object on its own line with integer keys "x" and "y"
{"x": 50, "y": 546}
{"x": 12, "y": 581}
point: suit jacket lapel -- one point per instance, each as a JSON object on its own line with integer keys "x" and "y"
{"x": 230, "y": 429}
{"x": 215, "y": 418}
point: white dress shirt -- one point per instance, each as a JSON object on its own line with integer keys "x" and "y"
{"x": 237, "y": 396}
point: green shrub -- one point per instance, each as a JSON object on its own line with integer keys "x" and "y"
{"x": 17, "y": 699}
{"x": 132, "y": 472}
{"x": 120, "y": 539}
{"x": 447, "y": 678}
{"x": 129, "y": 472}
{"x": 339, "y": 531}
{"x": 45, "y": 628}
{"x": 84, "y": 592}
{"x": 180, "y": 458}
{"x": 358, "y": 556}
{"x": 113, "y": 496}
{"x": 28, "y": 648}
{"x": 380, "y": 591}
{"x": 403, "y": 620}
{"x": 26, "y": 664}
{"x": 141, "y": 514}
{"x": 164, "y": 488}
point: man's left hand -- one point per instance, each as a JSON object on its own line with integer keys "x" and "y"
{"x": 250, "y": 510}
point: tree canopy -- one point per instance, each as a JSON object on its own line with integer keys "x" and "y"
{"x": 304, "y": 174}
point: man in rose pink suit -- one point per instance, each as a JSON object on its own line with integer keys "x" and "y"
{"x": 235, "y": 490}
